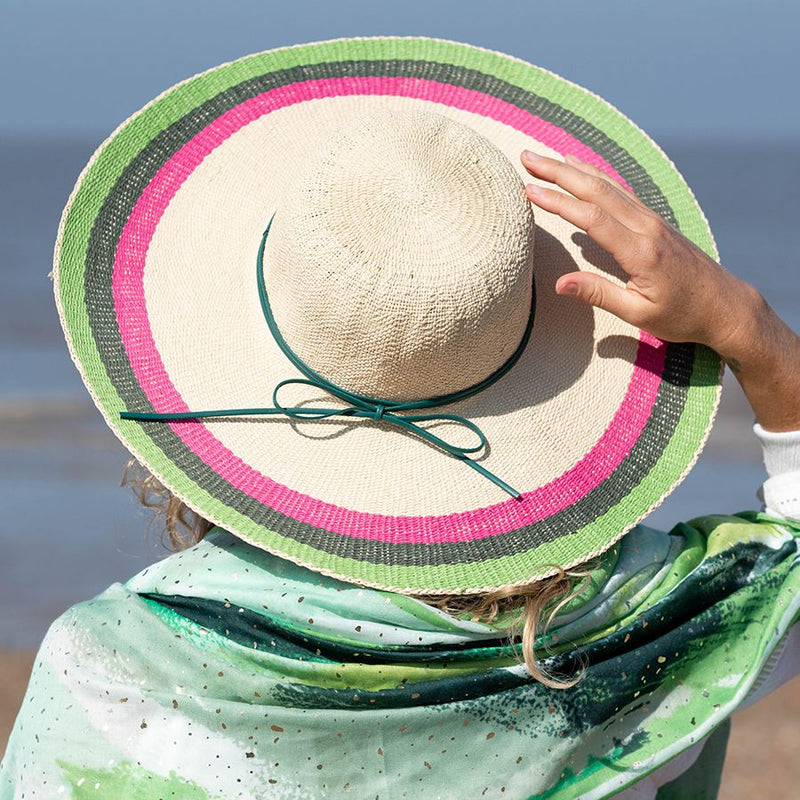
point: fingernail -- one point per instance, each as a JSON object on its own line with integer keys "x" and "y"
{"x": 533, "y": 190}
{"x": 568, "y": 288}
{"x": 573, "y": 159}
{"x": 529, "y": 155}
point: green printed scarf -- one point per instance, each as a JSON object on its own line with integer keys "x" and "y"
{"x": 225, "y": 672}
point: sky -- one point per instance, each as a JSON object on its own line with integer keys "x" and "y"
{"x": 688, "y": 69}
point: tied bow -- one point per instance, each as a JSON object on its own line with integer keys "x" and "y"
{"x": 361, "y": 408}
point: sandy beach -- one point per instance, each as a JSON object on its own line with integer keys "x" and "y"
{"x": 16, "y": 668}
{"x": 762, "y": 751}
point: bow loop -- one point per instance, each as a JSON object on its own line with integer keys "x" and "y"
{"x": 307, "y": 411}
{"x": 456, "y": 450}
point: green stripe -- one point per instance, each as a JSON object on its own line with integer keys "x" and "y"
{"x": 268, "y": 634}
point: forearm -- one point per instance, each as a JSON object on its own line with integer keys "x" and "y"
{"x": 764, "y": 355}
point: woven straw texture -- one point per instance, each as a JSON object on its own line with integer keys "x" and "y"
{"x": 422, "y": 228}
{"x": 396, "y": 269}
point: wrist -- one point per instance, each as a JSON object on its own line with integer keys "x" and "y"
{"x": 742, "y": 328}
{"x": 764, "y": 355}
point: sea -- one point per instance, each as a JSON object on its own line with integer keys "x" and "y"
{"x": 67, "y": 529}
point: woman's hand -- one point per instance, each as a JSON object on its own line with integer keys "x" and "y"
{"x": 674, "y": 291}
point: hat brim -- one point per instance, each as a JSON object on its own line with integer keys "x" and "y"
{"x": 155, "y": 283}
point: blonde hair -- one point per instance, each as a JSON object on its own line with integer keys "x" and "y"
{"x": 182, "y": 527}
{"x": 524, "y": 612}
{"x": 529, "y": 610}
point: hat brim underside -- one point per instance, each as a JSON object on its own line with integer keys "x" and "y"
{"x": 621, "y": 472}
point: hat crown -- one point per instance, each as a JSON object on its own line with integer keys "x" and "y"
{"x": 399, "y": 263}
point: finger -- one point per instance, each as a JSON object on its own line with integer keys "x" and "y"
{"x": 591, "y": 169}
{"x": 605, "y": 229}
{"x": 591, "y": 187}
{"x": 597, "y": 291}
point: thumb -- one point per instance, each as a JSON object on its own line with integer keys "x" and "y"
{"x": 597, "y": 291}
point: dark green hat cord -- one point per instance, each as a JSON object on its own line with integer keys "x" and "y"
{"x": 361, "y": 406}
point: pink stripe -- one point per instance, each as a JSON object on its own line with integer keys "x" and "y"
{"x": 134, "y": 328}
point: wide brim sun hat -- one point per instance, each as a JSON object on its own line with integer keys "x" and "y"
{"x": 346, "y": 221}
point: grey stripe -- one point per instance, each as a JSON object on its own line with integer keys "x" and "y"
{"x": 140, "y": 171}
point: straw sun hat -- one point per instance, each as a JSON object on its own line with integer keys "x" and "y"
{"x": 349, "y": 217}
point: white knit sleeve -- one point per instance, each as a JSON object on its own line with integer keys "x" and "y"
{"x": 781, "y": 490}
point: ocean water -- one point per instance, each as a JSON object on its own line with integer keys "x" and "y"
{"x": 68, "y": 530}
